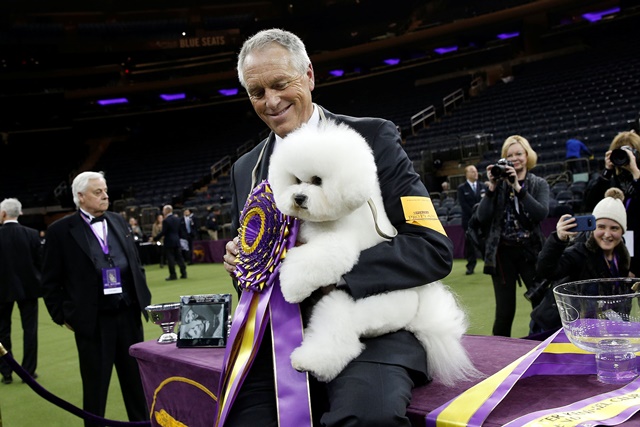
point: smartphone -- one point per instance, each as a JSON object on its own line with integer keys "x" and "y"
{"x": 584, "y": 223}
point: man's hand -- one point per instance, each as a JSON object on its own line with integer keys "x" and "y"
{"x": 230, "y": 258}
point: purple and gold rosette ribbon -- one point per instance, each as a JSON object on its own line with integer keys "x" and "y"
{"x": 554, "y": 356}
{"x": 265, "y": 237}
{"x": 264, "y": 234}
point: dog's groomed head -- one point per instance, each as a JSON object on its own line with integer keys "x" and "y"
{"x": 322, "y": 174}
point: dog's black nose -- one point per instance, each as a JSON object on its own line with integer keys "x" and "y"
{"x": 300, "y": 199}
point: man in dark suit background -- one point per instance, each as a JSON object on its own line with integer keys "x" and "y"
{"x": 171, "y": 231}
{"x": 190, "y": 230}
{"x": 20, "y": 282}
{"x": 469, "y": 193}
{"x": 95, "y": 285}
{"x": 276, "y": 71}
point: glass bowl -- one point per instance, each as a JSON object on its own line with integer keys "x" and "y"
{"x": 602, "y": 316}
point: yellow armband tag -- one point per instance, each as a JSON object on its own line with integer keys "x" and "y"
{"x": 419, "y": 210}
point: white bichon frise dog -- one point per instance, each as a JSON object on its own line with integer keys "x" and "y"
{"x": 327, "y": 178}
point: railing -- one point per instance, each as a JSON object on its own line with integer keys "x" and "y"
{"x": 220, "y": 166}
{"x": 453, "y": 99}
{"x": 422, "y": 116}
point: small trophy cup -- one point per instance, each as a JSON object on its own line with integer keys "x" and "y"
{"x": 167, "y": 315}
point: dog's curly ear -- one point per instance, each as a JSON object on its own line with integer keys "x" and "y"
{"x": 358, "y": 174}
{"x": 337, "y": 154}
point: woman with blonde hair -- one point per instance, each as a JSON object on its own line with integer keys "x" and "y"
{"x": 621, "y": 171}
{"x": 515, "y": 203}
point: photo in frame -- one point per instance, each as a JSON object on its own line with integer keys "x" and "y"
{"x": 205, "y": 320}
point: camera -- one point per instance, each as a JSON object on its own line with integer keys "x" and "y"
{"x": 499, "y": 171}
{"x": 537, "y": 292}
{"x": 619, "y": 157}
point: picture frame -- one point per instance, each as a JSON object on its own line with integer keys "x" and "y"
{"x": 205, "y": 320}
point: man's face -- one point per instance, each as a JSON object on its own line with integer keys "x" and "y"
{"x": 280, "y": 95}
{"x": 95, "y": 199}
{"x": 472, "y": 173}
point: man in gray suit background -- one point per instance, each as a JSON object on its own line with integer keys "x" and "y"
{"x": 20, "y": 282}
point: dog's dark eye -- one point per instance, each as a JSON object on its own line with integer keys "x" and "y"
{"x": 298, "y": 180}
{"x": 316, "y": 180}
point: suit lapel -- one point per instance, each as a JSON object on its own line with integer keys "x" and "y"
{"x": 262, "y": 171}
{"x": 79, "y": 233}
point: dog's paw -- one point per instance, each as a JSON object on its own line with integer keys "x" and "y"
{"x": 301, "y": 274}
{"x": 294, "y": 288}
{"x": 324, "y": 363}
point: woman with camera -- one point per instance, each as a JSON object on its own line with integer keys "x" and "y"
{"x": 601, "y": 254}
{"x": 515, "y": 204}
{"x": 621, "y": 171}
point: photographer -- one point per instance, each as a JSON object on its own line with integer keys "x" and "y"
{"x": 515, "y": 204}
{"x": 601, "y": 254}
{"x": 621, "y": 171}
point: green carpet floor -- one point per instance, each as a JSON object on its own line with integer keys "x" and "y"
{"x": 58, "y": 365}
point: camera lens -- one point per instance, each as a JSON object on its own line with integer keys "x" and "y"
{"x": 536, "y": 293}
{"x": 497, "y": 171}
{"x": 618, "y": 157}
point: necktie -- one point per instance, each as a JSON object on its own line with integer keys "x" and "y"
{"x": 98, "y": 219}
{"x": 187, "y": 222}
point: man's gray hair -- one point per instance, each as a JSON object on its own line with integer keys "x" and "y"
{"x": 81, "y": 182}
{"x": 12, "y": 207}
{"x": 286, "y": 39}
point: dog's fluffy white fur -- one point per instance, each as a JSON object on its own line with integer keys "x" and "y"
{"x": 325, "y": 176}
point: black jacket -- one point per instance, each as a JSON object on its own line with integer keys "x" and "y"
{"x": 416, "y": 256}
{"x": 72, "y": 286}
{"x": 467, "y": 199}
{"x": 579, "y": 261}
{"x": 20, "y": 263}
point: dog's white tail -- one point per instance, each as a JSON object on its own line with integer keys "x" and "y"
{"x": 439, "y": 326}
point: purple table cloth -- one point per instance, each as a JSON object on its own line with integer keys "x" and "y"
{"x": 179, "y": 383}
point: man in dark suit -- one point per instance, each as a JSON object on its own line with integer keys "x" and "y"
{"x": 171, "y": 231}
{"x": 469, "y": 193}
{"x": 276, "y": 71}
{"x": 190, "y": 231}
{"x": 20, "y": 282}
{"x": 95, "y": 285}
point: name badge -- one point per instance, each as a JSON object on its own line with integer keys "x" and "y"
{"x": 111, "y": 283}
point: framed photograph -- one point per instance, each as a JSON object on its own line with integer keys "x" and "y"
{"x": 205, "y": 320}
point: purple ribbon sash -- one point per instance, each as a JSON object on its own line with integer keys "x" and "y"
{"x": 554, "y": 356}
{"x": 266, "y": 235}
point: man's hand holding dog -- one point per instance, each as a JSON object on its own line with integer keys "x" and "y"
{"x": 230, "y": 258}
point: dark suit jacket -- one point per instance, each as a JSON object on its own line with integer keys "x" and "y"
{"x": 467, "y": 198}
{"x": 171, "y": 231}
{"x": 71, "y": 284}
{"x": 418, "y": 255}
{"x": 20, "y": 263}
{"x": 194, "y": 227}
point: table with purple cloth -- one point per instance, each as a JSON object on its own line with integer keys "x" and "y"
{"x": 182, "y": 382}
